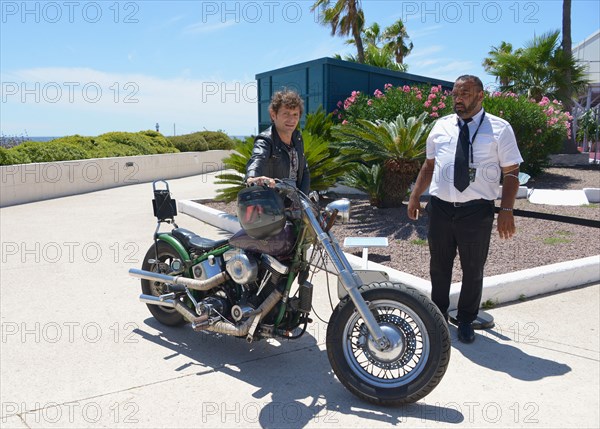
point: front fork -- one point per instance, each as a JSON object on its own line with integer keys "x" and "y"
{"x": 349, "y": 279}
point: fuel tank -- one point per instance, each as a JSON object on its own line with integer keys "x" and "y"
{"x": 279, "y": 245}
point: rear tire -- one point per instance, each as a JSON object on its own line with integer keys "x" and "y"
{"x": 409, "y": 370}
{"x": 167, "y": 254}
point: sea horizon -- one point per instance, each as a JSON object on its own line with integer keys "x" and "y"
{"x": 49, "y": 138}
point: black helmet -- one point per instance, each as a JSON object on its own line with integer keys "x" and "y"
{"x": 260, "y": 212}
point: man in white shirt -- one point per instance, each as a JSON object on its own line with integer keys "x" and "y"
{"x": 467, "y": 154}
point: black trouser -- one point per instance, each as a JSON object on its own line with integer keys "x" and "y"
{"x": 467, "y": 228}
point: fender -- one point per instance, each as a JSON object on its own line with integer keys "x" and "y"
{"x": 172, "y": 241}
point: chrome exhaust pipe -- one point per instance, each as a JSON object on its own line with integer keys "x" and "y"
{"x": 227, "y": 328}
{"x": 150, "y": 299}
{"x": 179, "y": 306}
{"x": 221, "y": 327}
{"x": 180, "y": 280}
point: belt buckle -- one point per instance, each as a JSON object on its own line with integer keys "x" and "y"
{"x": 455, "y": 204}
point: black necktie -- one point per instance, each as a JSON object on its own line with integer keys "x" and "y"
{"x": 461, "y": 159}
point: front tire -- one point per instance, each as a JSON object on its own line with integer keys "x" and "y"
{"x": 415, "y": 363}
{"x": 166, "y": 254}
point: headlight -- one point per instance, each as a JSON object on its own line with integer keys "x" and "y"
{"x": 343, "y": 209}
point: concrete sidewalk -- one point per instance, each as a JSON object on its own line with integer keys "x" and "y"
{"x": 79, "y": 350}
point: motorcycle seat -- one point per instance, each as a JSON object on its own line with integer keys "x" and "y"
{"x": 191, "y": 240}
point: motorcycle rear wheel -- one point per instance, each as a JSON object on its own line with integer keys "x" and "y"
{"x": 166, "y": 253}
{"x": 417, "y": 360}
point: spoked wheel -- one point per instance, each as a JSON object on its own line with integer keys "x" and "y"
{"x": 418, "y": 354}
{"x": 166, "y": 255}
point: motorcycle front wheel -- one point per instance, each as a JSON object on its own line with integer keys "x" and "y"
{"x": 166, "y": 255}
{"x": 419, "y": 351}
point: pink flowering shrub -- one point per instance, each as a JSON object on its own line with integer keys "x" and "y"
{"x": 387, "y": 104}
{"x": 540, "y": 128}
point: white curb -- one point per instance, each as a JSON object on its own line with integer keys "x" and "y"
{"x": 499, "y": 289}
{"x": 592, "y": 194}
{"x": 209, "y": 215}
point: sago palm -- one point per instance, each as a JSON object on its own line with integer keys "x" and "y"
{"x": 398, "y": 146}
{"x": 325, "y": 169}
{"x": 367, "y": 179}
{"x": 236, "y": 161}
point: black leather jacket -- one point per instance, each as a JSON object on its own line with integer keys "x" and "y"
{"x": 270, "y": 158}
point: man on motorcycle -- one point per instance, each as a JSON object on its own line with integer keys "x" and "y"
{"x": 279, "y": 150}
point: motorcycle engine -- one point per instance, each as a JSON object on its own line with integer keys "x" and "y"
{"x": 242, "y": 268}
{"x": 259, "y": 274}
{"x": 272, "y": 274}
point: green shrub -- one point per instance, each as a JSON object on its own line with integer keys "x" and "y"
{"x": 588, "y": 125}
{"x": 323, "y": 163}
{"x": 203, "y": 140}
{"x": 397, "y": 146}
{"x": 236, "y": 161}
{"x": 217, "y": 140}
{"x": 10, "y": 157}
{"x": 145, "y": 142}
{"x": 387, "y": 105}
{"x": 238, "y": 141}
{"x": 151, "y": 133}
{"x": 194, "y": 142}
{"x": 367, "y": 179}
{"x": 319, "y": 123}
{"x": 97, "y": 147}
{"x": 51, "y": 151}
{"x": 114, "y": 144}
{"x": 540, "y": 128}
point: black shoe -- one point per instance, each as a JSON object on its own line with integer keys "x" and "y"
{"x": 466, "y": 334}
{"x": 446, "y": 317}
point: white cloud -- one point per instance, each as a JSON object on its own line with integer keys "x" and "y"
{"x": 423, "y": 63}
{"x": 452, "y": 69}
{"x": 425, "y": 32}
{"x": 426, "y": 51}
{"x": 88, "y": 101}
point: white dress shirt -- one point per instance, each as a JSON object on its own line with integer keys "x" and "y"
{"x": 494, "y": 147}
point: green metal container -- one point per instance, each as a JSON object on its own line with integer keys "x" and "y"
{"x": 326, "y": 81}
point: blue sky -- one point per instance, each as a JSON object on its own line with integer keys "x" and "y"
{"x": 85, "y": 67}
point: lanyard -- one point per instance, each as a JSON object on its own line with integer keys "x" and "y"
{"x": 475, "y": 135}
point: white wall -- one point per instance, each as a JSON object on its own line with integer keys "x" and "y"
{"x": 588, "y": 52}
{"x": 23, "y": 183}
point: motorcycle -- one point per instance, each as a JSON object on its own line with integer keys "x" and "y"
{"x": 386, "y": 342}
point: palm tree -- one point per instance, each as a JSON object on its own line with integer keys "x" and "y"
{"x": 396, "y": 37}
{"x": 567, "y": 49}
{"x": 398, "y": 146}
{"x": 377, "y": 53}
{"x": 495, "y": 62}
{"x": 570, "y": 145}
{"x": 377, "y": 57}
{"x": 371, "y": 35}
{"x": 344, "y": 17}
{"x": 539, "y": 69}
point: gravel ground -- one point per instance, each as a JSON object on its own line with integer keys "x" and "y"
{"x": 536, "y": 243}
